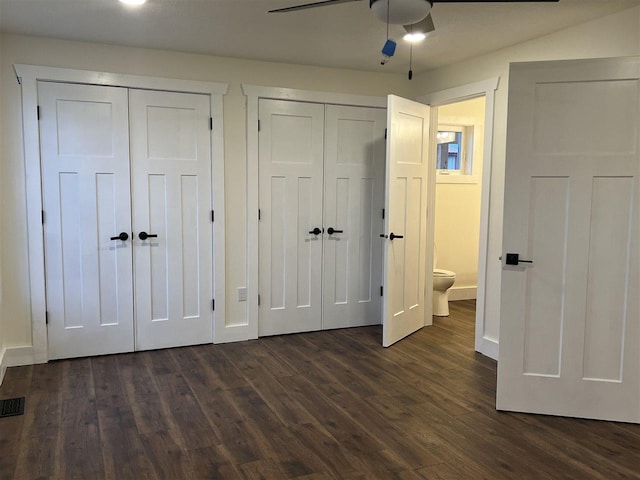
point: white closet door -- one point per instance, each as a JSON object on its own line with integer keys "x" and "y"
{"x": 406, "y": 222}
{"x": 85, "y": 174}
{"x": 353, "y": 202}
{"x": 171, "y": 192}
{"x": 290, "y": 149}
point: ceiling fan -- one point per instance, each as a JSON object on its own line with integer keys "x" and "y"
{"x": 414, "y": 15}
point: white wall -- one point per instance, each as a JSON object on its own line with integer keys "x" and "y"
{"x": 616, "y": 35}
{"x": 611, "y": 36}
{"x": 457, "y": 219}
{"x": 39, "y": 51}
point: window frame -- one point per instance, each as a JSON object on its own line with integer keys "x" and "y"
{"x": 466, "y": 149}
{"x": 471, "y": 163}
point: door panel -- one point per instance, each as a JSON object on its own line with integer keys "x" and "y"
{"x": 406, "y": 206}
{"x": 171, "y": 191}
{"x": 353, "y": 202}
{"x": 609, "y": 265}
{"x": 85, "y": 173}
{"x": 290, "y": 197}
{"x": 570, "y": 320}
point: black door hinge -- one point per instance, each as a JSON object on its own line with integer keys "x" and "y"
{"x": 213, "y": 216}
{"x": 385, "y": 133}
{"x": 383, "y": 213}
{"x": 258, "y": 125}
{"x": 213, "y": 304}
{"x": 258, "y": 299}
{"x": 210, "y": 123}
{"x": 259, "y": 214}
{"x": 381, "y": 290}
{"x": 38, "y": 112}
{"x": 42, "y": 211}
{"x": 46, "y": 318}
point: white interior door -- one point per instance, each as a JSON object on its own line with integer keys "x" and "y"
{"x": 405, "y": 239}
{"x": 85, "y": 181}
{"x": 290, "y": 198}
{"x": 569, "y": 329}
{"x": 171, "y": 192}
{"x": 353, "y": 202}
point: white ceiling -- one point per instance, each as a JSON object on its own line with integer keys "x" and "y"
{"x": 344, "y": 36}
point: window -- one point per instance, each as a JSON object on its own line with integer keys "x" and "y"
{"x": 455, "y": 149}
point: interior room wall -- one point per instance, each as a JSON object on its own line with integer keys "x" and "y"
{"x": 457, "y": 219}
{"x": 614, "y": 35}
{"x": 87, "y": 56}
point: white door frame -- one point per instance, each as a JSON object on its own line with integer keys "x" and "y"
{"x": 249, "y": 329}
{"x": 28, "y": 76}
{"x": 483, "y": 344}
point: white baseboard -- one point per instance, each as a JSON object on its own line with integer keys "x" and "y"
{"x": 463, "y": 293}
{"x": 488, "y": 347}
{"x": 3, "y": 369}
{"x": 15, "y": 357}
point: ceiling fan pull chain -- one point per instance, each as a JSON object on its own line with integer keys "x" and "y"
{"x": 410, "y": 60}
{"x": 388, "y": 8}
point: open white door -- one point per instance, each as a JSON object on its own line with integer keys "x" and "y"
{"x": 406, "y": 218}
{"x": 569, "y": 328}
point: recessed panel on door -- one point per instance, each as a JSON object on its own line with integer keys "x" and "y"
{"x": 608, "y": 295}
{"x": 544, "y": 314}
{"x": 353, "y": 201}
{"x": 84, "y": 138}
{"x": 171, "y": 192}
{"x": 290, "y": 199}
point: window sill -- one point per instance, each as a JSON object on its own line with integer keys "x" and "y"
{"x": 457, "y": 178}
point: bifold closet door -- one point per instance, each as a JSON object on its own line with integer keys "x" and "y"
{"x": 171, "y": 191}
{"x": 354, "y": 163}
{"x": 84, "y": 138}
{"x": 290, "y": 198}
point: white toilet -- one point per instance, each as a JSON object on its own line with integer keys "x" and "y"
{"x": 442, "y": 281}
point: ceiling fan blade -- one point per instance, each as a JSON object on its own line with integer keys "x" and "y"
{"x": 304, "y": 6}
{"x": 423, "y": 26}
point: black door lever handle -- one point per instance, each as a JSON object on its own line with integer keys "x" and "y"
{"x": 316, "y": 231}
{"x": 393, "y": 235}
{"x": 332, "y": 230}
{"x": 145, "y": 235}
{"x": 124, "y": 236}
{"x": 514, "y": 259}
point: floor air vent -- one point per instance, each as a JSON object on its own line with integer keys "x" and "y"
{"x": 11, "y": 406}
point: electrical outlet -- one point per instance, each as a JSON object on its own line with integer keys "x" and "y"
{"x": 242, "y": 294}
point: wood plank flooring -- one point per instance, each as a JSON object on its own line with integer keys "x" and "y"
{"x": 323, "y": 405}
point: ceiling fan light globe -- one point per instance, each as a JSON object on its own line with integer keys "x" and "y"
{"x": 133, "y": 3}
{"x": 415, "y": 37}
{"x": 401, "y": 12}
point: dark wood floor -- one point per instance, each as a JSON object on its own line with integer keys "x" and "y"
{"x": 313, "y": 406}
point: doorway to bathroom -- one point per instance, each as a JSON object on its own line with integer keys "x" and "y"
{"x": 460, "y": 200}
{"x": 458, "y": 194}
